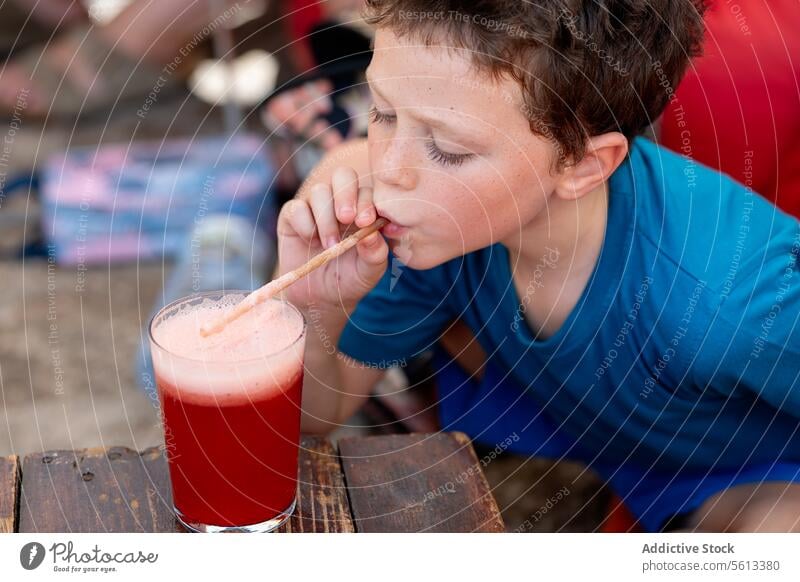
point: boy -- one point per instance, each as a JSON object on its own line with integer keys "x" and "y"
{"x": 585, "y": 292}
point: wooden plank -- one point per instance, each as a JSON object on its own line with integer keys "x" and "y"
{"x": 322, "y": 504}
{"x": 96, "y": 490}
{"x": 417, "y": 482}
{"x": 120, "y": 490}
{"x": 9, "y": 492}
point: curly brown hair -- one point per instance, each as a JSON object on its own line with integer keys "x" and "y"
{"x": 585, "y": 67}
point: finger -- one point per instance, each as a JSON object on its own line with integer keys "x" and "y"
{"x": 324, "y": 86}
{"x": 297, "y": 234}
{"x": 307, "y": 108}
{"x": 297, "y": 220}
{"x": 366, "y": 213}
{"x": 373, "y": 253}
{"x": 321, "y": 199}
{"x": 323, "y": 134}
{"x": 281, "y": 107}
{"x": 311, "y": 120}
{"x": 300, "y": 120}
{"x": 319, "y": 95}
{"x": 291, "y": 109}
{"x": 278, "y": 111}
{"x": 345, "y": 193}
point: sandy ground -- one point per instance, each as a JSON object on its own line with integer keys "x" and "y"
{"x": 68, "y": 339}
{"x": 67, "y": 358}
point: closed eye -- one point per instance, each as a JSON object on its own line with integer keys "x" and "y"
{"x": 437, "y": 155}
{"x": 378, "y": 117}
{"x": 445, "y": 158}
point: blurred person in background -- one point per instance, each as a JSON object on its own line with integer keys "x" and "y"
{"x": 68, "y": 57}
{"x": 328, "y": 101}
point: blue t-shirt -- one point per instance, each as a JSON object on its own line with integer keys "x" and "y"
{"x": 681, "y": 355}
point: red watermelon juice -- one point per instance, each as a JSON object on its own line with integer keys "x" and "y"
{"x": 230, "y": 411}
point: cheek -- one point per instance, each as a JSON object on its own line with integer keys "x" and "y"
{"x": 518, "y": 198}
{"x": 458, "y": 216}
{"x": 490, "y": 203}
{"x": 463, "y": 217}
{"x": 374, "y": 147}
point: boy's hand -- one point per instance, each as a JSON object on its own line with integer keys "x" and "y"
{"x": 308, "y": 226}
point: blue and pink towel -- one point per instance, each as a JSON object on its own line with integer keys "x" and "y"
{"x": 128, "y": 202}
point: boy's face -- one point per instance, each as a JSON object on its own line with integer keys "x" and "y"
{"x": 454, "y": 162}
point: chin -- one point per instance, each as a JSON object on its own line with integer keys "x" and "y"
{"x": 419, "y": 261}
{"x": 422, "y": 263}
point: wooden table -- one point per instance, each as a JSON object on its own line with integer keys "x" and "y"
{"x": 395, "y": 483}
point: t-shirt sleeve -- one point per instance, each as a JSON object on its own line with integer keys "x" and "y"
{"x": 753, "y": 343}
{"x": 401, "y": 317}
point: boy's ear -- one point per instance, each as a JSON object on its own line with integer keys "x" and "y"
{"x": 604, "y": 154}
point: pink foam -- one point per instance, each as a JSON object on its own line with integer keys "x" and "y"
{"x": 253, "y": 357}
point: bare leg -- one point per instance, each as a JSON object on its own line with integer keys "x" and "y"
{"x": 759, "y": 507}
{"x": 153, "y": 30}
{"x": 459, "y": 342}
{"x": 157, "y": 30}
{"x": 54, "y": 13}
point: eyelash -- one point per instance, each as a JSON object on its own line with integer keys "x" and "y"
{"x": 445, "y": 158}
{"x": 378, "y": 117}
{"x": 435, "y": 154}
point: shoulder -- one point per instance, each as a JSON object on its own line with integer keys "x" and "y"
{"x": 755, "y": 332}
{"x": 701, "y": 220}
{"x": 352, "y": 154}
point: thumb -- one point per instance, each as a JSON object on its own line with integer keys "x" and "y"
{"x": 373, "y": 254}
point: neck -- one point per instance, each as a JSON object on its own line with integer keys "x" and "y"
{"x": 572, "y": 230}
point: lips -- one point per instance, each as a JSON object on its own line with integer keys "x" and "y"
{"x": 394, "y": 230}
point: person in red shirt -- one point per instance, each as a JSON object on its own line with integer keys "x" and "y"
{"x": 738, "y": 107}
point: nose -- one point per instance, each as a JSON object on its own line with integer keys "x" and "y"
{"x": 396, "y": 164}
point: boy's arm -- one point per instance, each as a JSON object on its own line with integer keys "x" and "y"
{"x": 334, "y": 387}
{"x": 385, "y": 322}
